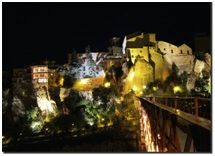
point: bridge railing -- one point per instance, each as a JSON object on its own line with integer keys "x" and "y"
{"x": 200, "y": 107}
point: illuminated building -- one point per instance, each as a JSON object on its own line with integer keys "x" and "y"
{"x": 40, "y": 73}
{"x": 181, "y": 56}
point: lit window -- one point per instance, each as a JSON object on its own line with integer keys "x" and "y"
{"x": 42, "y": 69}
{"x": 42, "y": 80}
{"x": 35, "y": 70}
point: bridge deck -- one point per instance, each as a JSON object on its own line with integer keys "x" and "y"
{"x": 200, "y": 121}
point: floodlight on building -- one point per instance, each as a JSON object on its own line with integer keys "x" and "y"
{"x": 84, "y": 81}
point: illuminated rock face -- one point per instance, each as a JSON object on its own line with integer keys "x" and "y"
{"x": 46, "y": 105}
{"x": 139, "y": 75}
{"x": 64, "y": 92}
{"x": 191, "y": 82}
{"x": 161, "y": 67}
{"x": 199, "y": 66}
{"x": 184, "y": 63}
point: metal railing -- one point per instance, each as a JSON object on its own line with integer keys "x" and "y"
{"x": 200, "y": 107}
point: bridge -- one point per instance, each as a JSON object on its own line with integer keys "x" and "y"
{"x": 178, "y": 124}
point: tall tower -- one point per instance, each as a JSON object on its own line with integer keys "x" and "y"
{"x": 114, "y": 41}
{"x": 69, "y": 58}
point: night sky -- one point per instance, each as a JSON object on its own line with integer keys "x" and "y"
{"x": 32, "y": 32}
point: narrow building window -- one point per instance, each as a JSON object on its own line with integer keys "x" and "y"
{"x": 187, "y": 51}
{"x": 132, "y": 56}
{"x": 140, "y": 51}
{"x": 84, "y": 68}
{"x": 164, "y": 49}
{"x": 171, "y": 51}
{"x": 181, "y": 51}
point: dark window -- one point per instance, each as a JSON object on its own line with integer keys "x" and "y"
{"x": 83, "y": 68}
{"x": 164, "y": 49}
{"x": 132, "y": 56}
{"x": 181, "y": 51}
{"x": 140, "y": 51}
{"x": 171, "y": 51}
{"x": 188, "y": 52}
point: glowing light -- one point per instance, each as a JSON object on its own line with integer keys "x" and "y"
{"x": 3, "y": 137}
{"x": 155, "y": 88}
{"x": 178, "y": 111}
{"x": 84, "y": 81}
{"x": 141, "y": 93}
{"x": 176, "y": 89}
{"x": 107, "y": 84}
{"x": 144, "y": 87}
{"x": 159, "y": 136}
{"x": 131, "y": 76}
{"x": 134, "y": 88}
{"x": 61, "y": 81}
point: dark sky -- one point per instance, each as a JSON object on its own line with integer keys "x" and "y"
{"x": 32, "y": 32}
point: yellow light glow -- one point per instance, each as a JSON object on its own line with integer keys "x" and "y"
{"x": 131, "y": 76}
{"x": 144, "y": 87}
{"x": 107, "y": 84}
{"x": 155, "y": 88}
{"x": 3, "y": 137}
{"x": 134, "y": 88}
{"x": 141, "y": 93}
{"x": 61, "y": 81}
{"x": 84, "y": 81}
{"x": 178, "y": 111}
{"x": 176, "y": 89}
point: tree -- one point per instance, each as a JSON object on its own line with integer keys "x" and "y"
{"x": 72, "y": 101}
{"x": 75, "y": 62}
